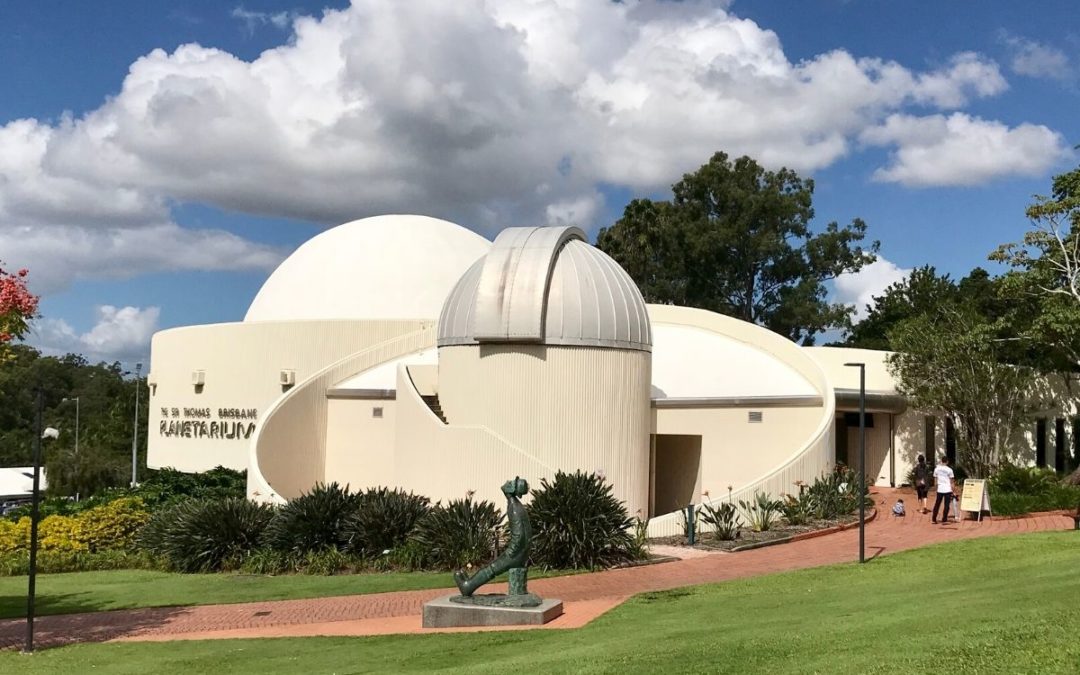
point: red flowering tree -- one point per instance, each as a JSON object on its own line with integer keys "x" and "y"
{"x": 17, "y": 306}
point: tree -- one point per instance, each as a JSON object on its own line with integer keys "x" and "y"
{"x": 952, "y": 360}
{"x": 17, "y": 306}
{"x": 920, "y": 292}
{"x": 1046, "y": 268}
{"x": 736, "y": 239}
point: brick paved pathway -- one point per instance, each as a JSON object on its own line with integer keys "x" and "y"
{"x": 586, "y": 596}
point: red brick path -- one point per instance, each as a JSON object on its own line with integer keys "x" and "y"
{"x": 586, "y": 596}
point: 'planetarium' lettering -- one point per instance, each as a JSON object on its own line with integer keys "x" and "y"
{"x": 230, "y": 423}
{"x": 203, "y": 429}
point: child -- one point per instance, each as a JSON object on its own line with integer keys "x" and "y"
{"x": 898, "y": 508}
{"x": 958, "y": 515}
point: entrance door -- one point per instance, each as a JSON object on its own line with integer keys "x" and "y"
{"x": 676, "y": 479}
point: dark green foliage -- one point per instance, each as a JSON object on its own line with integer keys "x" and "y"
{"x": 723, "y": 519}
{"x": 383, "y": 520}
{"x": 736, "y": 239}
{"x": 835, "y": 494}
{"x": 579, "y": 524}
{"x": 798, "y": 510}
{"x": 160, "y": 488}
{"x": 1059, "y": 496}
{"x": 460, "y": 534}
{"x": 206, "y": 535}
{"x": 314, "y": 521}
{"x": 1024, "y": 480}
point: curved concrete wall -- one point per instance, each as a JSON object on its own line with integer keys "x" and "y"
{"x": 793, "y": 441}
{"x": 288, "y": 455}
{"x": 242, "y": 364}
{"x": 570, "y": 407}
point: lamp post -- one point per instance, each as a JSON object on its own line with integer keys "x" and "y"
{"x": 31, "y": 589}
{"x": 135, "y": 430}
{"x": 862, "y": 458}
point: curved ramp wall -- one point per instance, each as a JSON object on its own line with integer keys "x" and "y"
{"x": 288, "y": 454}
{"x": 241, "y": 364}
{"x": 570, "y": 407}
{"x": 798, "y": 447}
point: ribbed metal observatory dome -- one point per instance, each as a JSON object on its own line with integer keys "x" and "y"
{"x": 545, "y": 285}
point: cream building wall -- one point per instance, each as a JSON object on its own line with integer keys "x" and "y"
{"x": 570, "y": 407}
{"x": 242, "y": 365}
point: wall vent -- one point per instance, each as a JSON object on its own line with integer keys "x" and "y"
{"x": 376, "y": 412}
{"x": 754, "y": 416}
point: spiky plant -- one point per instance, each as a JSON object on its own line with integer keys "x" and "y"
{"x": 205, "y": 535}
{"x": 460, "y": 534}
{"x": 578, "y": 523}
{"x": 313, "y": 521}
{"x": 383, "y": 520}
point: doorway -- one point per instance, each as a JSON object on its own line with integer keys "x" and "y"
{"x": 676, "y": 472}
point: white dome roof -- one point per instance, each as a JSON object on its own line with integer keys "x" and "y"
{"x": 385, "y": 267}
{"x": 546, "y": 285}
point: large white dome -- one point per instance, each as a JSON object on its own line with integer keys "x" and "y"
{"x": 385, "y": 267}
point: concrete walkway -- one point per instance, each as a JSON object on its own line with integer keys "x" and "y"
{"x": 586, "y": 596}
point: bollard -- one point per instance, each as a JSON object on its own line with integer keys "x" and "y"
{"x": 690, "y": 529}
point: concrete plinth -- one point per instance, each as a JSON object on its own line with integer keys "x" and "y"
{"x": 442, "y": 613}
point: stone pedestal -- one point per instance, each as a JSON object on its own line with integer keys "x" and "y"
{"x": 443, "y": 613}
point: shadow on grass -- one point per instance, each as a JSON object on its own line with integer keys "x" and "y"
{"x": 79, "y": 622}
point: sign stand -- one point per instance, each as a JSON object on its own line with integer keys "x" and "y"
{"x": 976, "y": 497}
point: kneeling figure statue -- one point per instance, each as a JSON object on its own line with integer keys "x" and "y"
{"x": 512, "y": 560}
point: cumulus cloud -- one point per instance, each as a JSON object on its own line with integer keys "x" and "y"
{"x": 858, "y": 289}
{"x": 489, "y": 114}
{"x": 119, "y": 334}
{"x": 1035, "y": 59}
{"x": 959, "y": 149}
{"x": 252, "y": 20}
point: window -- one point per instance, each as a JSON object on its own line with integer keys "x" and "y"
{"x": 852, "y": 420}
{"x": 930, "y": 439}
{"x": 1059, "y": 444}
{"x": 1040, "y": 443}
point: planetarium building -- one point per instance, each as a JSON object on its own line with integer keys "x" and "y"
{"x": 409, "y": 351}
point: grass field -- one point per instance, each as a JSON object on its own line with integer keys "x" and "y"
{"x": 130, "y": 589}
{"x": 994, "y": 605}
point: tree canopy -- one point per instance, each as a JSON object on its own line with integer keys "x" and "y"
{"x": 106, "y": 410}
{"x": 736, "y": 239}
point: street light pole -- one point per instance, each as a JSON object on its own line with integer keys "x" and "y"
{"x": 31, "y": 590}
{"x": 862, "y": 458}
{"x": 135, "y": 432}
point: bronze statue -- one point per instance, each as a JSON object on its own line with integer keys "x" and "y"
{"x": 512, "y": 560}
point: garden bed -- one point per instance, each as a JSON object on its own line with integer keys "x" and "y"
{"x": 777, "y": 534}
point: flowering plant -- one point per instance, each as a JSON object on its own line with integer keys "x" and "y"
{"x": 17, "y": 306}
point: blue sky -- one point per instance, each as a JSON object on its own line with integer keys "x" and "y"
{"x": 147, "y": 189}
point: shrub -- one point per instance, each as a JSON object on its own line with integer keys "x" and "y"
{"x": 797, "y": 510}
{"x": 327, "y": 562}
{"x": 1051, "y": 499}
{"x": 578, "y": 523}
{"x": 383, "y": 520}
{"x": 460, "y": 534}
{"x": 61, "y": 533}
{"x": 313, "y": 521}
{"x": 724, "y": 519}
{"x": 14, "y": 535}
{"x": 409, "y": 557}
{"x": 267, "y": 561}
{"x": 113, "y": 525}
{"x": 760, "y": 512}
{"x": 1024, "y": 480}
{"x": 835, "y": 494}
{"x": 207, "y": 535}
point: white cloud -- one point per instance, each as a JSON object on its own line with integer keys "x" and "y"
{"x": 486, "y": 113}
{"x": 1035, "y": 59}
{"x": 252, "y": 20}
{"x": 962, "y": 150}
{"x": 859, "y": 288}
{"x": 120, "y": 334}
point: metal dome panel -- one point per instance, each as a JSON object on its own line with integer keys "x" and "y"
{"x": 546, "y": 285}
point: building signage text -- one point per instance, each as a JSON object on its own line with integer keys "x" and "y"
{"x": 220, "y": 423}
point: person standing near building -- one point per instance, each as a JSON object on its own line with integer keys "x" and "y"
{"x": 943, "y": 476}
{"x": 922, "y": 482}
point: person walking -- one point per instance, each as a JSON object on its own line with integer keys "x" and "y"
{"x": 943, "y": 475}
{"x": 922, "y": 482}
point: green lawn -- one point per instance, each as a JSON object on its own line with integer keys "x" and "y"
{"x": 994, "y": 605}
{"x": 127, "y": 589}
{"x": 130, "y": 589}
